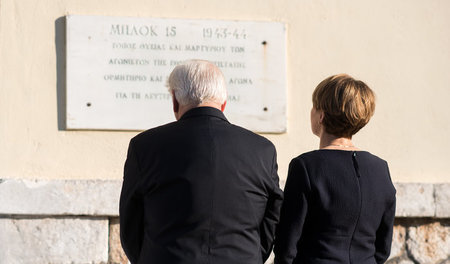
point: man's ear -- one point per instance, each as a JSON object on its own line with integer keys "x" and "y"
{"x": 176, "y": 105}
{"x": 321, "y": 117}
{"x": 222, "y": 107}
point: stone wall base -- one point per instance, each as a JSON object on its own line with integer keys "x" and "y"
{"x": 76, "y": 222}
{"x": 415, "y": 240}
{"x": 96, "y": 240}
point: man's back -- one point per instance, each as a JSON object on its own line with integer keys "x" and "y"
{"x": 208, "y": 191}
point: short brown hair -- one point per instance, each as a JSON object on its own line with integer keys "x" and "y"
{"x": 348, "y": 104}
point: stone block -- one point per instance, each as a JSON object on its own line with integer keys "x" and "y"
{"x": 59, "y": 197}
{"x": 282, "y": 184}
{"x": 400, "y": 261}
{"x": 415, "y": 200}
{"x": 116, "y": 254}
{"x": 405, "y": 261}
{"x": 53, "y": 240}
{"x": 429, "y": 243}
{"x": 398, "y": 241}
{"x": 447, "y": 261}
{"x": 271, "y": 259}
{"x": 442, "y": 198}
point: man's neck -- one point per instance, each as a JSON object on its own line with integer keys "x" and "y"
{"x": 184, "y": 108}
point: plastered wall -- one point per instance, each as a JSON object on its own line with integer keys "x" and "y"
{"x": 401, "y": 49}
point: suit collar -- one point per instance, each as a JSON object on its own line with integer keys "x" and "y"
{"x": 204, "y": 111}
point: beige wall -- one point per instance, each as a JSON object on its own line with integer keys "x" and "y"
{"x": 400, "y": 48}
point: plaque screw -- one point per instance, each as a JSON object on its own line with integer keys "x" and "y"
{"x": 264, "y": 42}
{"x": 88, "y": 104}
{"x": 265, "y": 109}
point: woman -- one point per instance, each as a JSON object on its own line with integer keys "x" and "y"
{"x": 339, "y": 203}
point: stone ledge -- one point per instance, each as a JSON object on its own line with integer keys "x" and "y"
{"x": 423, "y": 200}
{"x": 101, "y": 198}
{"x": 59, "y": 197}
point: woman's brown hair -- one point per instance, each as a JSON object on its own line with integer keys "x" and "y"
{"x": 348, "y": 104}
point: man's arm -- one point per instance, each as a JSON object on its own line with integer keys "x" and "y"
{"x": 272, "y": 212}
{"x": 131, "y": 208}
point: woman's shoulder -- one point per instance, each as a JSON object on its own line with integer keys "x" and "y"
{"x": 313, "y": 154}
{"x": 323, "y": 154}
{"x": 365, "y": 155}
{"x": 327, "y": 155}
{"x": 310, "y": 158}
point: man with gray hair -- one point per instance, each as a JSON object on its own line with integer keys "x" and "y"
{"x": 199, "y": 190}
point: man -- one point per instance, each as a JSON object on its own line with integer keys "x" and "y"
{"x": 199, "y": 190}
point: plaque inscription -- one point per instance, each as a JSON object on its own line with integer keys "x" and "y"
{"x": 117, "y": 68}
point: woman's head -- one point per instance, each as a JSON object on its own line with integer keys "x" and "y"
{"x": 347, "y": 104}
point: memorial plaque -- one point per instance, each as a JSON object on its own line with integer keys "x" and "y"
{"x": 117, "y": 68}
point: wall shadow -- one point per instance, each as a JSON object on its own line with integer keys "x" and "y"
{"x": 60, "y": 45}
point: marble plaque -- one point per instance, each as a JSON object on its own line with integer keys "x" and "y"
{"x": 117, "y": 68}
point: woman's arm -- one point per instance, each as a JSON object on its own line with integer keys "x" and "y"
{"x": 293, "y": 213}
{"x": 384, "y": 234}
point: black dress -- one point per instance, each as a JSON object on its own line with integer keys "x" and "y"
{"x": 339, "y": 207}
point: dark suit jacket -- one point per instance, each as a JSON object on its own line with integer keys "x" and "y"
{"x": 339, "y": 207}
{"x": 199, "y": 190}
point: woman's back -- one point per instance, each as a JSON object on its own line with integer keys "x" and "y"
{"x": 339, "y": 202}
{"x": 339, "y": 207}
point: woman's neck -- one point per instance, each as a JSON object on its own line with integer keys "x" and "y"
{"x": 328, "y": 141}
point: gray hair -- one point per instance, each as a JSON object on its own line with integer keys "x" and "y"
{"x": 197, "y": 81}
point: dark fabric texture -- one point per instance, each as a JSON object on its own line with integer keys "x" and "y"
{"x": 339, "y": 207}
{"x": 199, "y": 190}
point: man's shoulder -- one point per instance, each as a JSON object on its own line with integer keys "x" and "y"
{"x": 171, "y": 132}
{"x": 249, "y": 136}
{"x": 154, "y": 132}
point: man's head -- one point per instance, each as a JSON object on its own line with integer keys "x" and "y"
{"x": 196, "y": 83}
